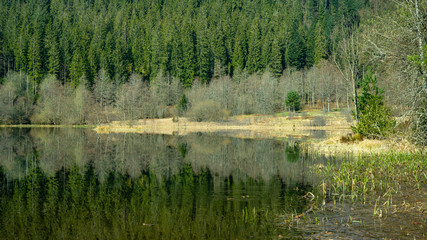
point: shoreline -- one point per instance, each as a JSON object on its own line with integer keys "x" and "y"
{"x": 45, "y": 126}
{"x": 261, "y": 127}
{"x": 277, "y": 126}
{"x": 251, "y": 126}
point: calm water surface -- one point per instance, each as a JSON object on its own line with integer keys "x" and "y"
{"x": 76, "y": 184}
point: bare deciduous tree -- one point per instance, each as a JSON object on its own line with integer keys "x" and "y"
{"x": 347, "y": 63}
{"x": 104, "y": 91}
{"x": 395, "y": 44}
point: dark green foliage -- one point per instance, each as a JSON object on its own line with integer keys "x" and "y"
{"x": 254, "y": 54}
{"x": 77, "y": 68}
{"x": 370, "y": 90}
{"x": 276, "y": 66}
{"x": 240, "y": 51}
{"x": 182, "y": 38}
{"x": 296, "y": 54}
{"x": 320, "y": 43}
{"x": 182, "y": 105}
{"x": 348, "y": 13}
{"x": 182, "y": 148}
{"x": 205, "y": 59}
{"x": 375, "y": 119}
{"x": 220, "y": 49}
{"x": 311, "y": 41}
{"x": 34, "y": 59}
{"x": 293, "y": 101}
{"x": 292, "y": 151}
{"x": 100, "y": 44}
{"x": 53, "y": 60}
{"x": 189, "y": 58}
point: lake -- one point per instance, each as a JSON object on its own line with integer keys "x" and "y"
{"x": 72, "y": 183}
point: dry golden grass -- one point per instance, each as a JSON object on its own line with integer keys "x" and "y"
{"x": 250, "y": 126}
{"x": 265, "y": 126}
{"x": 334, "y": 146}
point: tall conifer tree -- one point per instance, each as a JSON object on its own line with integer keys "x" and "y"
{"x": 254, "y": 54}
{"x": 276, "y": 59}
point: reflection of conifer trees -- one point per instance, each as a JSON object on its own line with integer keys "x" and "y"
{"x": 164, "y": 156}
{"x": 74, "y": 204}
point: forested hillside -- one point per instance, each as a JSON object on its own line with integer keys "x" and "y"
{"x": 187, "y": 39}
{"x": 136, "y": 59}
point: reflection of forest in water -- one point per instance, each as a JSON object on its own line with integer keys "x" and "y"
{"x": 163, "y": 155}
{"x": 70, "y": 183}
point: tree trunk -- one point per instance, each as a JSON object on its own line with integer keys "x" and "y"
{"x": 336, "y": 96}
{"x": 312, "y": 99}
{"x": 356, "y": 109}
{"x": 348, "y": 104}
{"x": 323, "y": 104}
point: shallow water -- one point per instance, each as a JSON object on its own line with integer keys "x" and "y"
{"x": 74, "y": 183}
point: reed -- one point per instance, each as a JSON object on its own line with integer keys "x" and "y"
{"x": 368, "y": 176}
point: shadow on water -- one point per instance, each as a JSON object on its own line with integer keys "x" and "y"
{"x": 74, "y": 183}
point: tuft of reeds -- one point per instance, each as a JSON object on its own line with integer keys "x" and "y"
{"x": 372, "y": 175}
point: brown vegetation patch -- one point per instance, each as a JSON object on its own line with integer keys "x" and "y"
{"x": 335, "y": 145}
{"x": 258, "y": 126}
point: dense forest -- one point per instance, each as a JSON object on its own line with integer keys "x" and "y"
{"x": 72, "y": 39}
{"x": 79, "y": 62}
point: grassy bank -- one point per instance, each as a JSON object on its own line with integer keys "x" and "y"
{"x": 335, "y": 147}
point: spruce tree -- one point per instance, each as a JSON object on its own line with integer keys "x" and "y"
{"x": 34, "y": 59}
{"x": 52, "y": 51}
{"x": 220, "y": 50}
{"x": 296, "y": 50}
{"x": 21, "y": 60}
{"x": 189, "y": 57}
{"x": 254, "y": 54}
{"x": 76, "y": 68}
{"x": 276, "y": 59}
{"x": 205, "y": 58}
{"x": 311, "y": 42}
{"x": 320, "y": 43}
{"x": 375, "y": 118}
{"x": 155, "y": 50}
{"x": 240, "y": 51}
{"x": 93, "y": 61}
{"x": 266, "y": 51}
